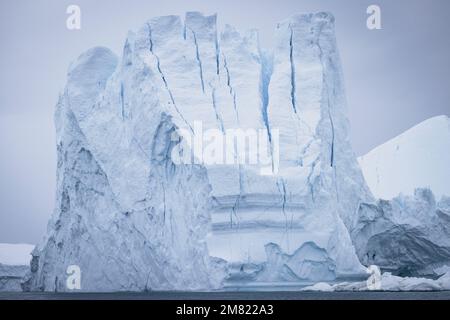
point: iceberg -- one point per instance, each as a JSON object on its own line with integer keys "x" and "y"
{"x": 407, "y": 231}
{"x": 417, "y": 158}
{"x": 388, "y": 282}
{"x": 14, "y": 265}
{"x": 133, "y": 219}
{"x": 408, "y": 235}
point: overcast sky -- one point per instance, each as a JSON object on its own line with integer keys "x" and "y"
{"x": 395, "y": 77}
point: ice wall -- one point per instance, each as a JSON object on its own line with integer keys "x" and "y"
{"x": 133, "y": 219}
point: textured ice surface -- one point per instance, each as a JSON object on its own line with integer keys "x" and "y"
{"x": 11, "y": 276}
{"x": 132, "y": 219}
{"x": 319, "y": 185}
{"x": 419, "y": 157}
{"x": 309, "y": 262}
{"x": 14, "y": 264}
{"x": 408, "y": 235}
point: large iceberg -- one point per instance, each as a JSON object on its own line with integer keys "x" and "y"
{"x": 133, "y": 218}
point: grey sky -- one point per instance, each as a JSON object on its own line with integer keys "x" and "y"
{"x": 395, "y": 77}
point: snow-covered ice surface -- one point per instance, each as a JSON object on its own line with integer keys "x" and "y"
{"x": 419, "y": 157}
{"x": 133, "y": 220}
{"x": 388, "y": 282}
{"x": 14, "y": 264}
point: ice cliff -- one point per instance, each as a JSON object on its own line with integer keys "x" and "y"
{"x": 133, "y": 219}
{"x": 408, "y": 235}
{"x": 407, "y": 232}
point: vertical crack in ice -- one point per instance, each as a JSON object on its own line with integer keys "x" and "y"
{"x": 332, "y": 137}
{"x": 228, "y": 73}
{"x": 235, "y": 207}
{"x": 309, "y": 179}
{"x": 199, "y": 61}
{"x": 291, "y": 58}
{"x": 233, "y": 95}
{"x": 237, "y": 202}
{"x": 330, "y": 118}
{"x": 151, "y": 40}
{"x": 122, "y": 100}
{"x": 214, "y": 103}
{"x": 232, "y": 92}
{"x": 266, "y": 75}
{"x": 282, "y": 188}
{"x": 233, "y": 211}
{"x": 304, "y": 152}
{"x": 217, "y": 54}
{"x": 163, "y": 77}
{"x": 281, "y": 184}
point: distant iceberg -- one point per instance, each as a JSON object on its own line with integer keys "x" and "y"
{"x": 14, "y": 265}
{"x": 417, "y": 158}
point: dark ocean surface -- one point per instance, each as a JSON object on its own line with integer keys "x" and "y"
{"x": 265, "y": 295}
